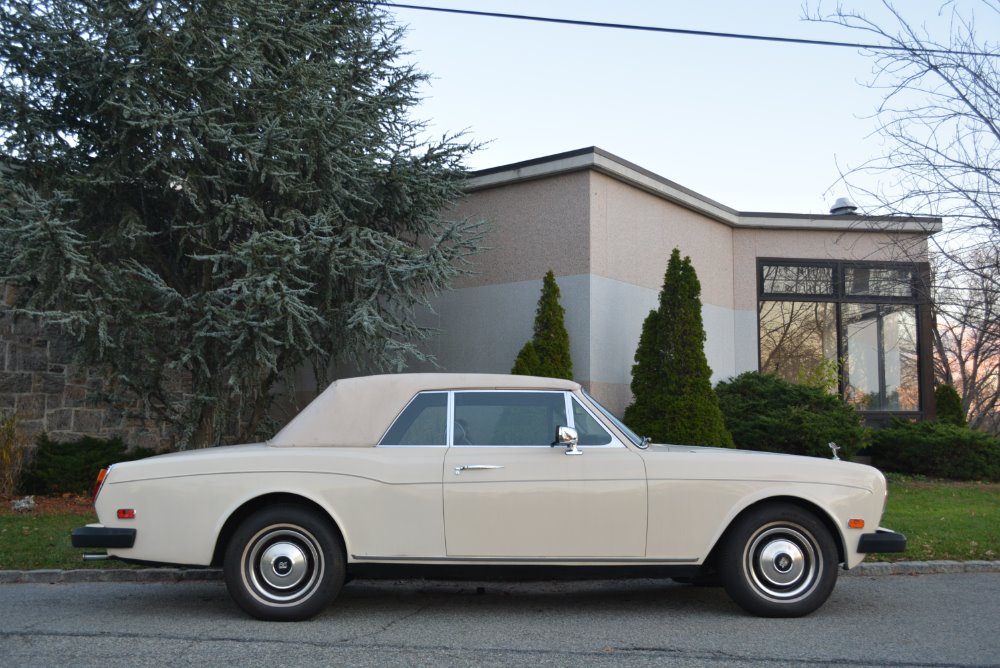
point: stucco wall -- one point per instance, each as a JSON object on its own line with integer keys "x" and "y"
{"x": 534, "y": 227}
{"x": 634, "y": 232}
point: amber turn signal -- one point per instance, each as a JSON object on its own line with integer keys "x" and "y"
{"x": 101, "y": 475}
{"x": 856, "y": 524}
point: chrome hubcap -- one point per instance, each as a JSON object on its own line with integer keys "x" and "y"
{"x": 782, "y": 561}
{"x": 282, "y": 565}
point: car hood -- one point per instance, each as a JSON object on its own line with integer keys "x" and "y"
{"x": 705, "y": 463}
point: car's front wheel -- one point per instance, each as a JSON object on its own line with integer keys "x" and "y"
{"x": 284, "y": 563}
{"x": 778, "y": 560}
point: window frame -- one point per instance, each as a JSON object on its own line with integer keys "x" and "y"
{"x": 918, "y": 298}
{"x": 568, "y": 398}
{"x": 839, "y": 278}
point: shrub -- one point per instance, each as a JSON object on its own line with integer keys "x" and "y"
{"x": 14, "y": 453}
{"x": 548, "y": 352}
{"x": 72, "y": 466}
{"x": 671, "y": 379}
{"x": 948, "y": 405}
{"x": 937, "y": 449}
{"x": 764, "y": 412}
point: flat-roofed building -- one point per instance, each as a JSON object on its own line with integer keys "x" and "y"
{"x": 791, "y": 294}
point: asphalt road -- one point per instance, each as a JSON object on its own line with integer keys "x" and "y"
{"x": 929, "y": 620}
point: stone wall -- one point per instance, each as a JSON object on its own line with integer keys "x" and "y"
{"x": 40, "y": 384}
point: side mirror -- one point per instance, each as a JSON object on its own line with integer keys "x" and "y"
{"x": 568, "y": 436}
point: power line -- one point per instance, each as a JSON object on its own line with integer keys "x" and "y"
{"x": 676, "y": 31}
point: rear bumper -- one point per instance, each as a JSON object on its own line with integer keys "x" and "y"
{"x": 882, "y": 540}
{"x": 98, "y": 536}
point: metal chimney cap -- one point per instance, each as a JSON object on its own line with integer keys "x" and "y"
{"x": 843, "y": 207}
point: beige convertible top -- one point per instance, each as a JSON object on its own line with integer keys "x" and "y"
{"x": 357, "y": 411}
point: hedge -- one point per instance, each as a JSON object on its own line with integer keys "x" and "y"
{"x": 937, "y": 449}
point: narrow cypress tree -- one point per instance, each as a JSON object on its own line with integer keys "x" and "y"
{"x": 671, "y": 379}
{"x": 547, "y": 353}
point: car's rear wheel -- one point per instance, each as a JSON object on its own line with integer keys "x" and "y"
{"x": 778, "y": 560}
{"x": 284, "y": 563}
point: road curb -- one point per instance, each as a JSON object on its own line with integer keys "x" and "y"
{"x": 924, "y": 567}
{"x": 48, "y": 576}
{"x": 110, "y": 575}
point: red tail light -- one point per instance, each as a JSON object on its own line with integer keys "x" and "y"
{"x": 101, "y": 475}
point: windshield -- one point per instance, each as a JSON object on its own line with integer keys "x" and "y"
{"x": 631, "y": 435}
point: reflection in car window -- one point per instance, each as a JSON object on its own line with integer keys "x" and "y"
{"x": 422, "y": 422}
{"x": 508, "y": 418}
{"x": 589, "y": 430}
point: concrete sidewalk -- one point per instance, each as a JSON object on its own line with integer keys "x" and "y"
{"x": 207, "y": 574}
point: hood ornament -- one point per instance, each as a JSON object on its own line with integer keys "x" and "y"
{"x": 835, "y": 449}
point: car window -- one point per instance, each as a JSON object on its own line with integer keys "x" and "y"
{"x": 508, "y": 418}
{"x": 589, "y": 430}
{"x": 423, "y": 422}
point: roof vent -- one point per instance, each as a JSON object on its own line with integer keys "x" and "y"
{"x": 843, "y": 207}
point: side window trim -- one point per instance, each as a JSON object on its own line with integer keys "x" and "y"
{"x": 449, "y": 438}
{"x": 451, "y": 420}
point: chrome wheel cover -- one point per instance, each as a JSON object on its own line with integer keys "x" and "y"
{"x": 782, "y": 561}
{"x": 282, "y": 565}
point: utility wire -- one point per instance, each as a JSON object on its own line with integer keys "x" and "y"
{"x": 677, "y": 31}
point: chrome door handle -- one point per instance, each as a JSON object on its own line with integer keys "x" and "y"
{"x": 476, "y": 467}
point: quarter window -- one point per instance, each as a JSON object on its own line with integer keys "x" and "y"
{"x": 422, "y": 422}
{"x": 588, "y": 429}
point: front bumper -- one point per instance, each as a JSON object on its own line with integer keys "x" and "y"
{"x": 883, "y": 540}
{"x": 97, "y": 536}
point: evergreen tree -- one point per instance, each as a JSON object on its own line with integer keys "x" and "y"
{"x": 948, "y": 405}
{"x": 671, "y": 380}
{"x": 547, "y": 353}
{"x": 221, "y": 192}
{"x": 527, "y": 362}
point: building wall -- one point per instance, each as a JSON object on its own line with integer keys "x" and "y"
{"x": 535, "y": 226}
{"x": 608, "y": 242}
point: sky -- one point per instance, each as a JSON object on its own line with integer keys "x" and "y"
{"x": 755, "y": 126}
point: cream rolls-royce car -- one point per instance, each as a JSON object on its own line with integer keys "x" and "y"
{"x": 487, "y": 474}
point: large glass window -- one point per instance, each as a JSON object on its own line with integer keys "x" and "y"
{"x": 880, "y": 373}
{"x": 797, "y": 337}
{"x": 852, "y": 324}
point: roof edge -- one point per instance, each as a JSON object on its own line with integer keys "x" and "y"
{"x": 599, "y": 160}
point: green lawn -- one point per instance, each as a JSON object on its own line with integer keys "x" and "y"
{"x": 942, "y": 520}
{"x": 39, "y": 540}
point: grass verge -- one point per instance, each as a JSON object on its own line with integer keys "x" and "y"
{"x": 941, "y": 519}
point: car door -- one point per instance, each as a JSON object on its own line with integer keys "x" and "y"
{"x": 509, "y": 494}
